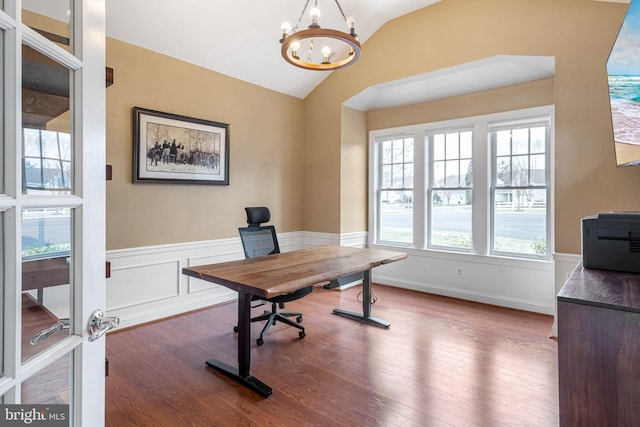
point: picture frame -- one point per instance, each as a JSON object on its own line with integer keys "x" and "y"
{"x": 173, "y": 149}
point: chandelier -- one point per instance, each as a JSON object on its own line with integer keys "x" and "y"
{"x": 338, "y": 50}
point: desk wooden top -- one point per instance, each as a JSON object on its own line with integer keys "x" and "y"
{"x": 273, "y": 275}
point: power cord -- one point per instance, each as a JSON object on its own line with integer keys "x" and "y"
{"x": 373, "y": 297}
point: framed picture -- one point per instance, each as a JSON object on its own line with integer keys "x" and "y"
{"x": 168, "y": 148}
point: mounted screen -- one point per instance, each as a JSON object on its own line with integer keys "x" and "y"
{"x": 623, "y": 69}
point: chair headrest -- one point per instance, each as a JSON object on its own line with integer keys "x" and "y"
{"x": 257, "y": 215}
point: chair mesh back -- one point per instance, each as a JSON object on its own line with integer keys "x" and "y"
{"x": 259, "y": 241}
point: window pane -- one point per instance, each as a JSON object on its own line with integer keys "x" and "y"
{"x": 396, "y": 216}
{"x": 51, "y": 19}
{"x": 397, "y": 163}
{"x": 408, "y": 150}
{"x": 438, "y": 147}
{"x": 466, "y": 173}
{"x": 46, "y": 288}
{"x": 503, "y": 143}
{"x": 386, "y": 152}
{"x": 453, "y": 147}
{"x": 398, "y": 151}
{"x": 451, "y": 219}
{"x": 520, "y": 170}
{"x": 398, "y": 176}
{"x": 465, "y": 145}
{"x": 2, "y": 114}
{"x": 520, "y": 141}
{"x": 386, "y": 176}
{"x": 32, "y": 143}
{"x": 520, "y": 222}
{"x": 538, "y": 136}
{"x": 438, "y": 174}
{"x": 452, "y": 173}
{"x": 2, "y": 367}
{"x": 538, "y": 166}
{"x": 408, "y": 175}
{"x": 51, "y": 386}
{"x": 503, "y": 171}
{"x": 46, "y": 125}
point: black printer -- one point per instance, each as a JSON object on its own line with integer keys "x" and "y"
{"x": 611, "y": 241}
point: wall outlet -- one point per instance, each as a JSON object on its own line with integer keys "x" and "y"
{"x": 459, "y": 271}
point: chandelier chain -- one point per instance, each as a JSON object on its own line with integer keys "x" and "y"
{"x": 304, "y": 9}
{"x": 341, "y": 11}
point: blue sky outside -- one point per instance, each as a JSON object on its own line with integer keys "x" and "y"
{"x": 625, "y": 55}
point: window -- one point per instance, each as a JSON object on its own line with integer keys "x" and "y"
{"x": 520, "y": 189}
{"x": 451, "y": 195}
{"x": 396, "y": 189}
{"x": 478, "y": 185}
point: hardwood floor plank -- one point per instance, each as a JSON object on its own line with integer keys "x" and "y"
{"x": 443, "y": 362}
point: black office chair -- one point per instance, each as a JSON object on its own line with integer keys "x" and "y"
{"x": 259, "y": 240}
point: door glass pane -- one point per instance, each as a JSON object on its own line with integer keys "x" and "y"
{"x": 2, "y": 113}
{"x": 46, "y": 134}
{"x": 46, "y": 289}
{"x": 51, "y": 386}
{"x": 51, "y": 18}
{"x": 2, "y": 367}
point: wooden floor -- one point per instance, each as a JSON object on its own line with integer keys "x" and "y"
{"x": 443, "y": 362}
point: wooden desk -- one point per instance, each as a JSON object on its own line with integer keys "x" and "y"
{"x": 279, "y": 274}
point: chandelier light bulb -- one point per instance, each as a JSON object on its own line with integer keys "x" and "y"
{"x": 326, "y": 51}
{"x": 351, "y": 22}
{"x": 286, "y": 29}
{"x": 294, "y": 49}
{"x": 351, "y": 25}
{"x": 315, "y": 15}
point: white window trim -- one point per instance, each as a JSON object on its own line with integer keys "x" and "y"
{"x": 481, "y": 216}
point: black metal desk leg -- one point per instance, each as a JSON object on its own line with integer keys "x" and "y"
{"x": 241, "y": 374}
{"x": 366, "y": 306}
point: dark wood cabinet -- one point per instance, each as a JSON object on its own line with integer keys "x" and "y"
{"x": 599, "y": 349}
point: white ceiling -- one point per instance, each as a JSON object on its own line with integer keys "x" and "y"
{"x": 239, "y": 38}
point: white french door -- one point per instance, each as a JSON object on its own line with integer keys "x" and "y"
{"x": 52, "y": 207}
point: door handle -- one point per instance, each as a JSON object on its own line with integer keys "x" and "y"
{"x": 43, "y": 335}
{"x": 99, "y": 324}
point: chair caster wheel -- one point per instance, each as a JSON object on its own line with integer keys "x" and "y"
{"x": 235, "y": 329}
{"x": 302, "y": 334}
{"x": 299, "y": 319}
{"x": 259, "y": 341}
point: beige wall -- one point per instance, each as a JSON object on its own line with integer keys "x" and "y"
{"x": 579, "y": 33}
{"x": 266, "y": 153}
{"x": 353, "y": 171}
{"x": 527, "y": 95}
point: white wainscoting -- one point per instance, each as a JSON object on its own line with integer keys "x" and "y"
{"x": 521, "y": 284}
{"x": 147, "y": 283}
{"x": 565, "y": 264}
